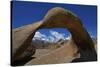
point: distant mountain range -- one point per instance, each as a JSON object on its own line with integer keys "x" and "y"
{"x": 39, "y": 43}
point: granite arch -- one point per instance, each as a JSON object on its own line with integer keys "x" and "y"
{"x": 55, "y": 18}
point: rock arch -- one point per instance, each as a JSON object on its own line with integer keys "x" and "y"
{"x": 55, "y": 18}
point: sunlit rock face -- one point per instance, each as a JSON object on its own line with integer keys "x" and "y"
{"x": 55, "y": 18}
{"x": 59, "y": 17}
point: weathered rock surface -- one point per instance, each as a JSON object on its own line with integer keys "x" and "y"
{"x": 22, "y": 38}
{"x": 55, "y": 18}
{"x": 28, "y": 52}
{"x": 64, "y": 54}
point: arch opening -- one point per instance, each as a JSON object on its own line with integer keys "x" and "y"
{"x": 51, "y": 37}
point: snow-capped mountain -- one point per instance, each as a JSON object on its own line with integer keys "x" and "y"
{"x": 53, "y": 37}
{"x": 41, "y": 40}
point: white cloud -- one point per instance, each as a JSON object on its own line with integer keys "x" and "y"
{"x": 68, "y": 38}
{"x": 57, "y": 35}
{"x": 39, "y": 35}
{"x": 53, "y": 37}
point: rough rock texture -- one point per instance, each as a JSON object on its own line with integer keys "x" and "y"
{"x": 58, "y": 17}
{"x": 64, "y": 54}
{"x": 28, "y": 52}
{"x": 22, "y": 38}
{"x": 55, "y": 18}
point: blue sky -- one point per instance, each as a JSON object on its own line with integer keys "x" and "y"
{"x": 24, "y": 13}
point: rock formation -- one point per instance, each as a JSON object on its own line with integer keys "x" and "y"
{"x": 55, "y": 18}
{"x": 64, "y": 54}
{"x": 22, "y": 38}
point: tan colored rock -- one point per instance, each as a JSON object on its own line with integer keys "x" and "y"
{"x": 59, "y": 17}
{"x": 55, "y": 18}
{"x": 64, "y": 54}
{"x": 22, "y": 38}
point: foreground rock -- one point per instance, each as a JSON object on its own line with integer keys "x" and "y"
{"x": 55, "y": 18}
{"x": 64, "y": 54}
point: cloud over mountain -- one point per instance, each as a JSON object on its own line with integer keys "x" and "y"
{"x": 53, "y": 37}
{"x": 57, "y": 35}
